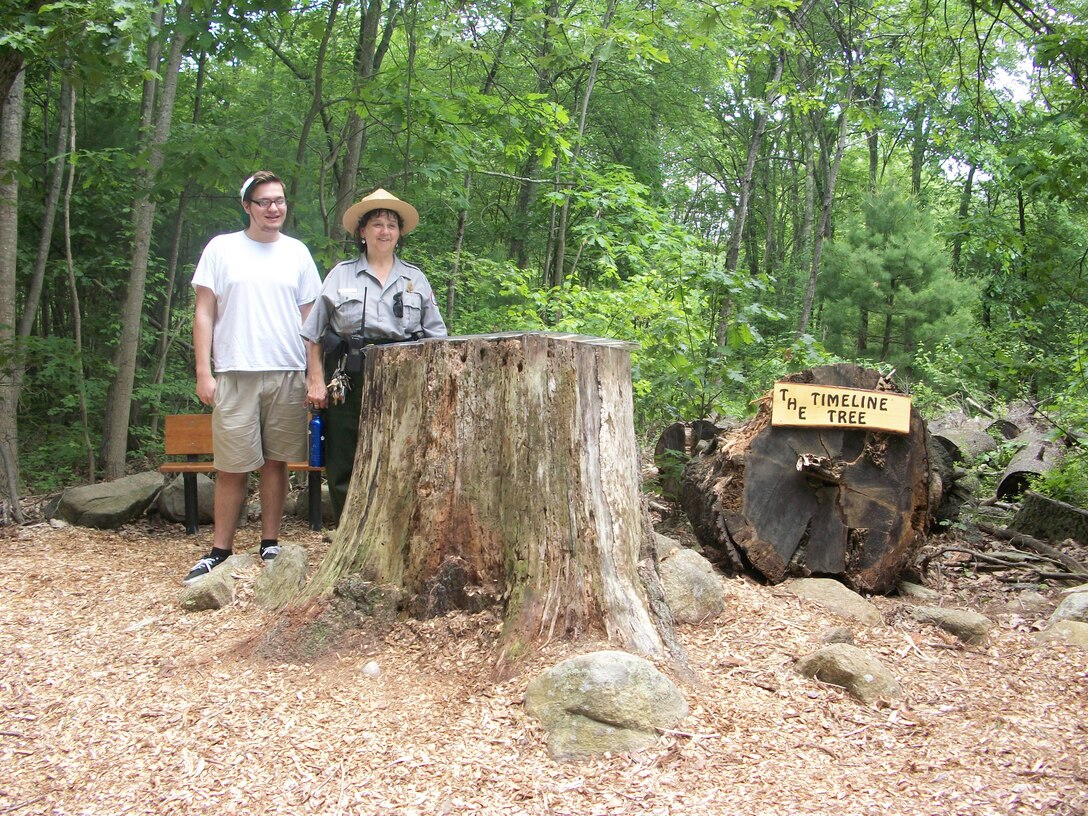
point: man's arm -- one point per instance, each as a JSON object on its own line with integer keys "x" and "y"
{"x": 203, "y": 323}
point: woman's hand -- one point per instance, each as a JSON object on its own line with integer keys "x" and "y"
{"x": 317, "y": 394}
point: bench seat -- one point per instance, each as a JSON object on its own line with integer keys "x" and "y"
{"x": 190, "y": 435}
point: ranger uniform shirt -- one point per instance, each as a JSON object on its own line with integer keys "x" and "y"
{"x": 352, "y": 301}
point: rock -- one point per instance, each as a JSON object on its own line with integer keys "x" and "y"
{"x": 1074, "y": 607}
{"x": 298, "y": 504}
{"x": 281, "y": 578}
{"x": 1066, "y": 631}
{"x": 171, "y": 503}
{"x": 836, "y": 598}
{"x": 907, "y": 589}
{"x": 1031, "y": 599}
{"x": 372, "y": 669}
{"x": 603, "y": 702}
{"x": 216, "y": 589}
{"x": 665, "y": 546}
{"x": 839, "y": 634}
{"x": 693, "y": 590}
{"x": 108, "y": 505}
{"x": 852, "y": 668}
{"x": 970, "y": 627}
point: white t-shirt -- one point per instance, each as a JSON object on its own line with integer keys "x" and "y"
{"x": 258, "y": 289}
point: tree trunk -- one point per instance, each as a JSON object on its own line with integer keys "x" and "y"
{"x": 822, "y": 231}
{"x": 11, "y": 141}
{"x": 558, "y": 269}
{"x": 49, "y": 213}
{"x": 77, "y": 315}
{"x": 527, "y": 189}
{"x": 368, "y": 59}
{"x": 511, "y": 458}
{"x": 813, "y": 501}
{"x": 118, "y": 403}
{"x": 317, "y": 102}
{"x": 961, "y": 224}
{"x": 759, "y": 127}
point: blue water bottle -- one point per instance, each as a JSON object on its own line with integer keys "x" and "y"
{"x": 317, "y": 441}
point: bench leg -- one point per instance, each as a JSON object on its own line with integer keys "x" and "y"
{"x": 192, "y": 516}
{"x": 315, "y": 499}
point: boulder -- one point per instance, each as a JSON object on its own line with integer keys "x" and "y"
{"x": 693, "y": 590}
{"x": 216, "y": 589}
{"x": 282, "y": 578}
{"x": 603, "y": 702}
{"x": 171, "y": 504}
{"x": 836, "y": 598}
{"x": 1074, "y": 633}
{"x": 1074, "y": 607}
{"x": 861, "y": 674}
{"x": 970, "y": 627}
{"x": 108, "y": 505}
{"x": 907, "y": 589}
{"x": 298, "y": 504}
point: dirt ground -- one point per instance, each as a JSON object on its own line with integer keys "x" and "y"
{"x": 114, "y": 701}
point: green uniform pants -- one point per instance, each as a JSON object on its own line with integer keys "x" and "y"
{"x": 341, "y": 439}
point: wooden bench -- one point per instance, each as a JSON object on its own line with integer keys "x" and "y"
{"x": 190, "y": 435}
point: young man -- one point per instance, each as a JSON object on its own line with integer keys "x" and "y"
{"x": 253, "y": 290}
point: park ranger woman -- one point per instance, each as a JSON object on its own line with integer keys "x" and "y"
{"x": 372, "y": 299}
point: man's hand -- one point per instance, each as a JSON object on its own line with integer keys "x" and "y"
{"x": 205, "y": 389}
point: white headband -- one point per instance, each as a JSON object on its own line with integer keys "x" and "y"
{"x": 245, "y": 186}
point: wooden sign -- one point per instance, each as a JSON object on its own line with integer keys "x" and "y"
{"x": 825, "y": 406}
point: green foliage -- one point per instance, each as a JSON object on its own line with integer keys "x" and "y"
{"x": 886, "y": 285}
{"x": 478, "y": 107}
{"x": 679, "y": 369}
{"x": 1069, "y": 481}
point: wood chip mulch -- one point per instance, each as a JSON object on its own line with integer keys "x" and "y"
{"x": 115, "y": 701}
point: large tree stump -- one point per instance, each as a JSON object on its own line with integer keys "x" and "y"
{"x": 509, "y": 462}
{"x": 851, "y": 504}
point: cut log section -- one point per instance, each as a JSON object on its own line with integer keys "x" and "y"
{"x": 1040, "y": 453}
{"x": 676, "y": 445}
{"x": 1047, "y": 518}
{"x": 788, "y": 501}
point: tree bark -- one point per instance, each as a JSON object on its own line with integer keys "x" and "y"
{"x": 813, "y": 501}
{"x": 558, "y": 267}
{"x": 77, "y": 315}
{"x": 368, "y": 59}
{"x": 11, "y": 141}
{"x": 49, "y": 213}
{"x": 823, "y": 230}
{"x": 514, "y": 458}
{"x": 115, "y": 434}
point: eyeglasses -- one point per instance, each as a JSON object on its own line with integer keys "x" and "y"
{"x": 265, "y": 203}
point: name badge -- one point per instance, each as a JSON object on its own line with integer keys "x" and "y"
{"x": 348, "y": 291}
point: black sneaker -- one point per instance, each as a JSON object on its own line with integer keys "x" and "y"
{"x": 203, "y": 567}
{"x": 270, "y": 552}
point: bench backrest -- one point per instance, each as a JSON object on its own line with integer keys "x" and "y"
{"x": 188, "y": 434}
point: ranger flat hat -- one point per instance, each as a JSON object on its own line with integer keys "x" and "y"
{"x": 381, "y": 200}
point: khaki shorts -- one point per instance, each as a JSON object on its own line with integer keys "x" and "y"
{"x": 258, "y": 415}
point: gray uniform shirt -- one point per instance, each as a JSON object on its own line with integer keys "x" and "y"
{"x": 350, "y": 289}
